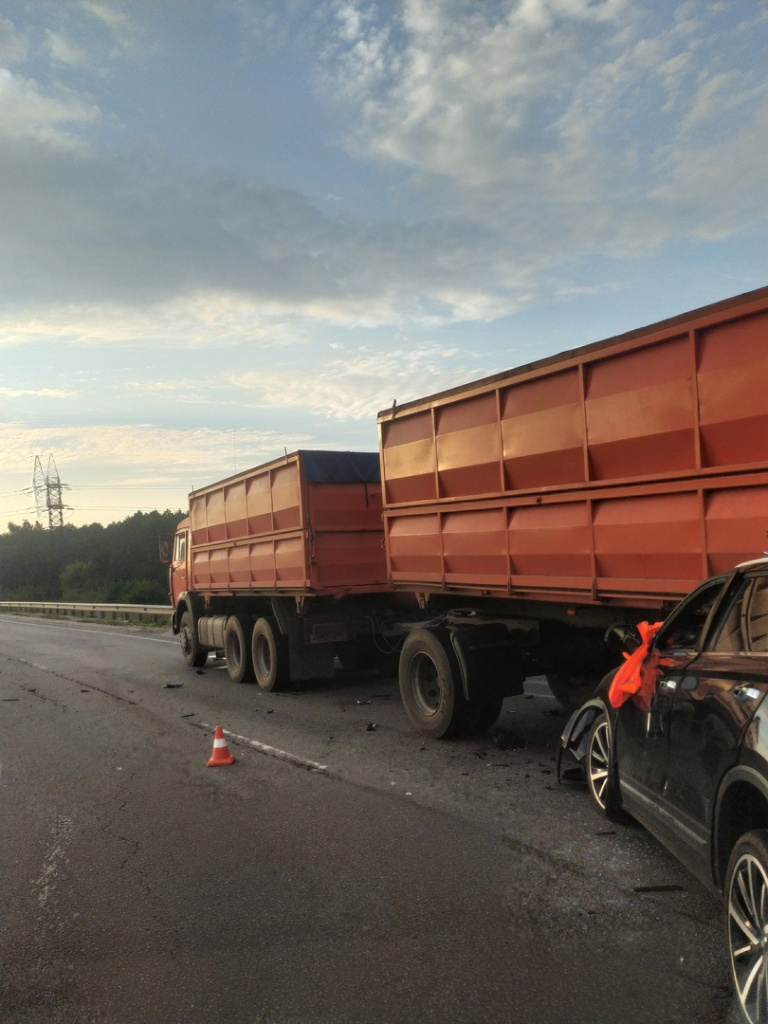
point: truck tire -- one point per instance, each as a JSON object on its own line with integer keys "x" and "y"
{"x": 571, "y": 691}
{"x": 430, "y": 684}
{"x": 237, "y": 649}
{"x": 193, "y": 654}
{"x": 269, "y": 653}
{"x": 482, "y": 714}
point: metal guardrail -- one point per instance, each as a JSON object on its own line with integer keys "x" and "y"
{"x": 83, "y": 610}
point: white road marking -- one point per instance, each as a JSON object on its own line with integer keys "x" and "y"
{"x": 129, "y": 636}
{"x": 264, "y": 748}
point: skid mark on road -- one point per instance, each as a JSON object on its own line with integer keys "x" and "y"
{"x": 265, "y": 748}
{"x": 47, "y": 881}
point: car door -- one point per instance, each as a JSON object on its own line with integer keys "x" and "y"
{"x": 714, "y": 699}
{"x": 642, "y": 738}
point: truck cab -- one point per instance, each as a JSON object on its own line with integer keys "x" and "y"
{"x": 178, "y": 571}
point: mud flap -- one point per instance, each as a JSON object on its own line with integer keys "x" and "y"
{"x": 490, "y": 660}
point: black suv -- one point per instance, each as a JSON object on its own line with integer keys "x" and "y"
{"x": 691, "y": 762}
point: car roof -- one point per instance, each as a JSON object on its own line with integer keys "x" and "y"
{"x": 752, "y": 563}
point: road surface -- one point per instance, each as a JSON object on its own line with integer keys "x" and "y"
{"x": 343, "y": 869}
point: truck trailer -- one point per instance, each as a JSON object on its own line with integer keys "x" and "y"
{"x": 511, "y": 522}
{"x": 281, "y": 568}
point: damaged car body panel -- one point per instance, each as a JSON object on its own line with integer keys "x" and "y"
{"x": 687, "y": 756}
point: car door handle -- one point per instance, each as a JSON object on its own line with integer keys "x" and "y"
{"x": 745, "y": 692}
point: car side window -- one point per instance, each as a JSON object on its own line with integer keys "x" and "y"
{"x": 757, "y": 619}
{"x": 731, "y": 635}
{"x": 684, "y": 628}
{"x": 745, "y": 620}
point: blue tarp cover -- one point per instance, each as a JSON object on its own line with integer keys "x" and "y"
{"x": 340, "y": 467}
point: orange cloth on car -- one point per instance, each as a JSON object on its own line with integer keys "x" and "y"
{"x": 636, "y": 679}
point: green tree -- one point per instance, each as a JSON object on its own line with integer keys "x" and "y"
{"x": 116, "y": 564}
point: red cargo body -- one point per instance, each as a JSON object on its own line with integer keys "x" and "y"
{"x": 309, "y": 523}
{"x": 623, "y": 472}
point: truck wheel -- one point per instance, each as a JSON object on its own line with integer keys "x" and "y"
{"x": 269, "y": 652}
{"x": 430, "y": 684}
{"x": 193, "y": 654}
{"x": 746, "y": 922}
{"x": 482, "y": 714}
{"x": 237, "y": 649}
{"x": 571, "y": 691}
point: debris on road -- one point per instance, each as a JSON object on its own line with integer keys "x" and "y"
{"x": 508, "y": 741}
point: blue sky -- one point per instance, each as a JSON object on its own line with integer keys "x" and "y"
{"x": 233, "y": 228}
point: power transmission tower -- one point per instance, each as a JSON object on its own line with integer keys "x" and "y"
{"x": 48, "y": 489}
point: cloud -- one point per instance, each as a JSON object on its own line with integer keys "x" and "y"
{"x": 36, "y": 393}
{"x": 125, "y": 451}
{"x": 13, "y": 44}
{"x": 355, "y": 384}
{"x": 560, "y": 122}
{"x": 64, "y": 51}
{"x": 534, "y": 132}
{"x": 28, "y": 114}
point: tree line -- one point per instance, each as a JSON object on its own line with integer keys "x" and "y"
{"x": 115, "y": 564}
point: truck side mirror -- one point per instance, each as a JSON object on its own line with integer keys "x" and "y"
{"x": 164, "y": 552}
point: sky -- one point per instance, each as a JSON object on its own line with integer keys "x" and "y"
{"x": 235, "y": 228}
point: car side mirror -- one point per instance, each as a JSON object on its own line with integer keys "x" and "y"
{"x": 620, "y": 639}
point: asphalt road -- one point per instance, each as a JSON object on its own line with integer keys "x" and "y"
{"x": 343, "y": 869}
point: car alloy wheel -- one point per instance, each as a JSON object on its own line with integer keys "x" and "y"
{"x": 746, "y": 894}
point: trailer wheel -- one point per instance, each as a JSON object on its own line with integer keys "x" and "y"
{"x": 571, "y": 691}
{"x": 269, "y": 652}
{"x": 237, "y": 649}
{"x": 482, "y": 714}
{"x": 193, "y": 654}
{"x": 430, "y": 684}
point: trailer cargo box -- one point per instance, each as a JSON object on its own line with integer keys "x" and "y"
{"x": 266, "y": 566}
{"x": 623, "y": 471}
{"x": 528, "y": 511}
{"x": 306, "y": 524}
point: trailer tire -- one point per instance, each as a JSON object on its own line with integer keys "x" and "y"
{"x": 430, "y": 684}
{"x": 269, "y": 654}
{"x": 237, "y": 649}
{"x": 571, "y": 691}
{"x": 192, "y": 652}
{"x": 482, "y": 714}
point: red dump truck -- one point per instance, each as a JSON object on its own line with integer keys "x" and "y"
{"x": 282, "y": 568}
{"x": 523, "y": 515}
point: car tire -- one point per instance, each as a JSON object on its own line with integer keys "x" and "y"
{"x": 601, "y": 770}
{"x": 746, "y": 923}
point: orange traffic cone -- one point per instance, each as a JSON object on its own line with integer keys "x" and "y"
{"x": 221, "y": 754}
